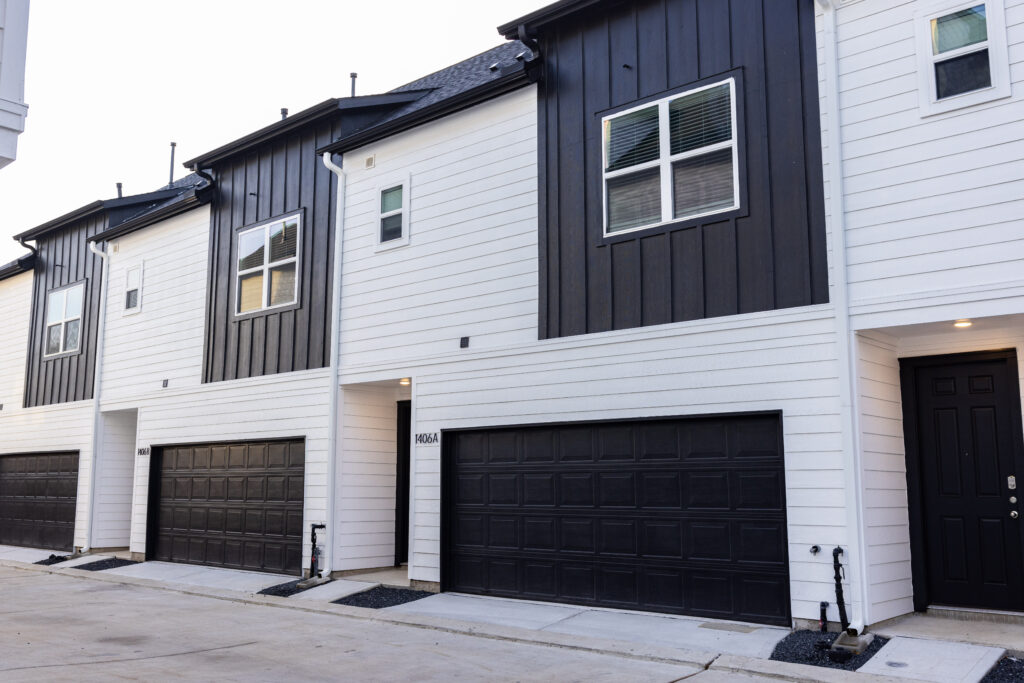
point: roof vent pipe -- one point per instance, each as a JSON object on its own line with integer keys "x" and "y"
{"x": 119, "y": 190}
{"x": 284, "y": 113}
{"x": 170, "y": 181}
{"x": 353, "y": 76}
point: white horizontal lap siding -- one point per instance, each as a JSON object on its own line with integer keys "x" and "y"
{"x": 470, "y": 268}
{"x": 885, "y": 484}
{"x": 15, "y": 311}
{"x": 366, "y": 478}
{"x": 164, "y": 340}
{"x": 282, "y": 406}
{"x": 933, "y": 203}
{"x": 114, "y": 486}
{"x": 775, "y": 361}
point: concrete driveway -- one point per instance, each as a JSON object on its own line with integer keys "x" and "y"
{"x": 64, "y": 627}
{"x": 658, "y": 629}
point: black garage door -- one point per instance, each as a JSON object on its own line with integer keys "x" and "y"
{"x": 685, "y": 516}
{"x": 37, "y": 500}
{"x": 233, "y": 505}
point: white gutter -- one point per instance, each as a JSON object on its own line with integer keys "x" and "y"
{"x": 97, "y": 383}
{"x": 855, "y": 555}
{"x": 332, "y": 428}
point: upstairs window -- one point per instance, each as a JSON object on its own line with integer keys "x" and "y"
{"x": 267, "y": 266}
{"x": 393, "y": 215}
{"x": 670, "y": 160}
{"x": 962, "y": 54}
{"x": 64, "y": 320}
{"x": 133, "y": 290}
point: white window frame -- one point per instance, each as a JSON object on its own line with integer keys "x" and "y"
{"x": 998, "y": 57}
{"x": 268, "y": 265}
{"x": 666, "y": 159}
{"x": 124, "y": 295}
{"x": 404, "y": 183}
{"x": 64, "y": 320}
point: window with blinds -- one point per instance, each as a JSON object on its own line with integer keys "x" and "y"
{"x": 267, "y": 266}
{"x": 671, "y": 160}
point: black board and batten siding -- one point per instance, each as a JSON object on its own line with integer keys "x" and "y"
{"x": 770, "y": 254}
{"x": 64, "y": 259}
{"x": 282, "y": 177}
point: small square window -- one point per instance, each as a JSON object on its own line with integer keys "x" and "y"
{"x": 962, "y": 54}
{"x": 393, "y": 215}
{"x": 267, "y": 266}
{"x": 133, "y": 290}
{"x": 64, "y": 320}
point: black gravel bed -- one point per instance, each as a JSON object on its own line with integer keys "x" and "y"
{"x": 382, "y": 596}
{"x": 1008, "y": 670}
{"x": 53, "y": 559}
{"x": 811, "y": 647}
{"x": 288, "y": 589}
{"x": 100, "y": 565}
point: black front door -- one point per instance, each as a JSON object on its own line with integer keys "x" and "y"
{"x": 402, "y": 489}
{"x": 965, "y": 457}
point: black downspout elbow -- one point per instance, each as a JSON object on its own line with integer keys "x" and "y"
{"x": 35, "y": 252}
{"x": 838, "y": 567}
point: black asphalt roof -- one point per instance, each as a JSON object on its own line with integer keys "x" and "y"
{"x": 299, "y": 119}
{"x": 192, "y": 193}
{"x": 22, "y": 264}
{"x": 460, "y": 85}
{"x": 132, "y": 207}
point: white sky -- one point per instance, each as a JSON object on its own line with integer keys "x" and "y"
{"x": 111, "y": 83}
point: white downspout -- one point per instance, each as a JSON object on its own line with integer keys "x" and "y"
{"x": 97, "y": 384}
{"x": 332, "y": 425}
{"x": 855, "y": 558}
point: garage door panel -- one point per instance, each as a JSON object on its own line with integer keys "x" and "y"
{"x": 615, "y": 444}
{"x": 538, "y": 446}
{"x": 231, "y": 505}
{"x": 38, "y": 494}
{"x": 682, "y": 515}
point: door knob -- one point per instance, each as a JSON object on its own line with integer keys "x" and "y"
{"x": 1014, "y": 514}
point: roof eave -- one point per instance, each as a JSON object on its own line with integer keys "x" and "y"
{"x": 512, "y": 80}
{"x": 92, "y": 209}
{"x": 21, "y": 265}
{"x": 544, "y": 15}
{"x": 298, "y": 120}
{"x": 191, "y": 200}
{"x": 76, "y": 215}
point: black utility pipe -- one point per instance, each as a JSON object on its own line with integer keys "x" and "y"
{"x": 823, "y": 618}
{"x": 314, "y": 555}
{"x": 837, "y": 565}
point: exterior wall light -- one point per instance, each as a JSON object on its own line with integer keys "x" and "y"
{"x": 963, "y": 323}
{"x": 405, "y": 381}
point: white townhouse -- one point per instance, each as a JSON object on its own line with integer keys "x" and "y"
{"x": 653, "y": 306}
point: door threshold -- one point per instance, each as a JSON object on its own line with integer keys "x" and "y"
{"x": 976, "y": 614}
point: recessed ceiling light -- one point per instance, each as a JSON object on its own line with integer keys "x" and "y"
{"x": 406, "y": 381}
{"x": 963, "y": 322}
